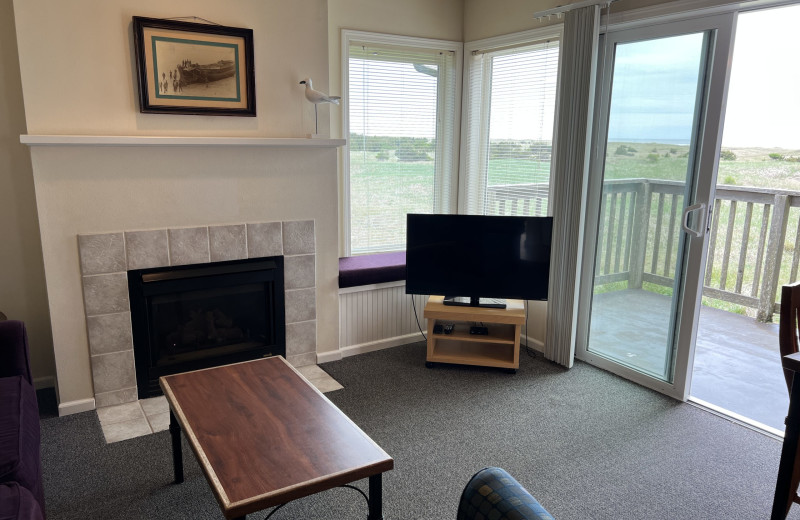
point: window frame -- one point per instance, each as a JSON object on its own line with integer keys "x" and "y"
{"x": 494, "y": 44}
{"x": 350, "y": 37}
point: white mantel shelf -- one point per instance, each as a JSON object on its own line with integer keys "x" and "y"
{"x": 149, "y": 140}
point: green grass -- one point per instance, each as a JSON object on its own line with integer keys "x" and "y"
{"x": 383, "y": 191}
{"x": 751, "y": 167}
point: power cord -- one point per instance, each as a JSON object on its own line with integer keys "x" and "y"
{"x": 528, "y": 349}
{"x": 414, "y": 305}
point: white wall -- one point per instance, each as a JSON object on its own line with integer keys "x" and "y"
{"x": 22, "y": 289}
{"x": 87, "y": 46}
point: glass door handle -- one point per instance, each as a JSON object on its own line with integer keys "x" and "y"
{"x": 697, "y": 233}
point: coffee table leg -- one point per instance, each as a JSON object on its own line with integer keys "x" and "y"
{"x": 376, "y": 497}
{"x": 177, "y": 449}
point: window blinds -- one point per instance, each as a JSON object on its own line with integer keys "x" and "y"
{"x": 401, "y": 113}
{"x": 510, "y": 116}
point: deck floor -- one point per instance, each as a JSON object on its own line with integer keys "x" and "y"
{"x": 737, "y": 362}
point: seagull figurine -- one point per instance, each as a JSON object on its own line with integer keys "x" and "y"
{"x": 316, "y": 97}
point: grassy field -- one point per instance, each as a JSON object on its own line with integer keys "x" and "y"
{"x": 400, "y": 187}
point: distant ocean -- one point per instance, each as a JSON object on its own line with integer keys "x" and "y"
{"x": 654, "y": 140}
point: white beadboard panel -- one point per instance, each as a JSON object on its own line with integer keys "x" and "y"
{"x": 378, "y": 317}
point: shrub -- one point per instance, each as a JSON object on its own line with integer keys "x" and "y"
{"x": 409, "y": 154}
{"x": 624, "y": 149}
{"x": 776, "y": 156}
{"x": 382, "y": 156}
{"x": 727, "y": 155}
{"x": 730, "y": 180}
{"x": 673, "y": 151}
{"x": 652, "y": 157}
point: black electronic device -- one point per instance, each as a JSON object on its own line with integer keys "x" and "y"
{"x": 448, "y": 329}
{"x": 479, "y": 331}
{"x": 438, "y": 329}
{"x": 476, "y": 257}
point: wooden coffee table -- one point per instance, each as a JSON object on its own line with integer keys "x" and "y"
{"x": 264, "y": 436}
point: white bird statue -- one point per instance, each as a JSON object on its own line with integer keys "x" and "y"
{"x": 316, "y": 97}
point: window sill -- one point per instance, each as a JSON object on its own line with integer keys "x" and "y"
{"x": 372, "y": 269}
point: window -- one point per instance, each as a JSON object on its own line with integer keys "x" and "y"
{"x": 401, "y": 112}
{"x": 510, "y": 112}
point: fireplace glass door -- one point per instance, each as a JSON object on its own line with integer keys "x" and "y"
{"x": 197, "y": 316}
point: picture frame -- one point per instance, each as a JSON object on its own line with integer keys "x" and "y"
{"x": 194, "y": 68}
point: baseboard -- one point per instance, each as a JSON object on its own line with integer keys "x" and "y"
{"x": 372, "y": 346}
{"x": 44, "y": 382}
{"x": 71, "y": 407}
{"x": 380, "y": 344}
{"x": 532, "y": 343}
{"x": 326, "y": 357}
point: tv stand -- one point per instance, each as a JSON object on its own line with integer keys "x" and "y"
{"x": 498, "y": 348}
{"x": 474, "y": 301}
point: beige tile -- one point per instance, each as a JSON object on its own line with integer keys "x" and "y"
{"x": 120, "y": 431}
{"x": 301, "y": 360}
{"x": 188, "y": 246}
{"x": 298, "y": 237}
{"x": 147, "y": 249}
{"x": 120, "y": 413}
{"x": 115, "y": 397}
{"x": 113, "y": 371}
{"x": 301, "y": 338}
{"x": 105, "y": 293}
{"x": 103, "y": 253}
{"x": 319, "y": 378}
{"x": 159, "y": 422}
{"x": 109, "y": 333}
{"x": 264, "y": 239}
{"x": 227, "y": 242}
{"x": 300, "y": 305}
{"x": 299, "y": 272}
{"x": 155, "y": 405}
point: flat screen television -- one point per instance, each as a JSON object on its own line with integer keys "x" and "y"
{"x": 470, "y": 259}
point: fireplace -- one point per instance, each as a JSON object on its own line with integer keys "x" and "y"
{"x": 196, "y": 316}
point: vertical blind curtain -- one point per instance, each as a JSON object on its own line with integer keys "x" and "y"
{"x": 401, "y": 122}
{"x": 511, "y": 95}
{"x": 579, "y": 63}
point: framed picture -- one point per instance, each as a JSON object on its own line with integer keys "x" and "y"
{"x": 194, "y": 68}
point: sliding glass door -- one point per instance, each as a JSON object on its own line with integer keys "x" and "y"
{"x": 660, "y": 110}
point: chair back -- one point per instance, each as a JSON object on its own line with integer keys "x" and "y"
{"x": 787, "y": 332}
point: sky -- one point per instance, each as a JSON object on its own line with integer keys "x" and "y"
{"x": 655, "y": 82}
{"x": 764, "y": 93}
{"x": 653, "y": 97}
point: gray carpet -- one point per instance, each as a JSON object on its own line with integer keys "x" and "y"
{"x": 585, "y": 443}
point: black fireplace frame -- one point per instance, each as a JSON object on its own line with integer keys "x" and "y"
{"x": 145, "y": 283}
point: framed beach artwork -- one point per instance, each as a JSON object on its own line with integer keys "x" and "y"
{"x": 194, "y": 68}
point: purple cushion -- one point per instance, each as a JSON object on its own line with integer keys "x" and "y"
{"x": 14, "y": 350}
{"x": 370, "y": 269}
{"x": 20, "y": 459}
{"x": 17, "y": 503}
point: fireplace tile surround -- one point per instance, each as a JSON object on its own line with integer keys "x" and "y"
{"x": 105, "y": 259}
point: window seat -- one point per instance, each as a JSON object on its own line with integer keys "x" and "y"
{"x": 372, "y": 269}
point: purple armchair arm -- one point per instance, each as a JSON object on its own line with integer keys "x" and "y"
{"x": 14, "y": 355}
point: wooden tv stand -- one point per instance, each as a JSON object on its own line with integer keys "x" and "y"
{"x": 499, "y": 348}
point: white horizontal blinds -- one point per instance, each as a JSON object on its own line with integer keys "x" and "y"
{"x": 511, "y": 113}
{"x": 401, "y": 113}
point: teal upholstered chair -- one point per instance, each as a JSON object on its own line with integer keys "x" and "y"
{"x": 493, "y": 494}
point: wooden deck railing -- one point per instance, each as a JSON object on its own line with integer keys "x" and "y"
{"x": 639, "y": 232}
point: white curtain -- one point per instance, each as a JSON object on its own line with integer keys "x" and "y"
{"x": 570, "y": 173}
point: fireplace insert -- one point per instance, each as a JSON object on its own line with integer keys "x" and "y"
{"x": 197, "y": 316}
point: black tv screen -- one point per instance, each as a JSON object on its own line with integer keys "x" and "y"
{"x": 477, "y": 256}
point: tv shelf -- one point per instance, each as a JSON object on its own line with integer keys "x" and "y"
{"x": 499, "y": 348}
